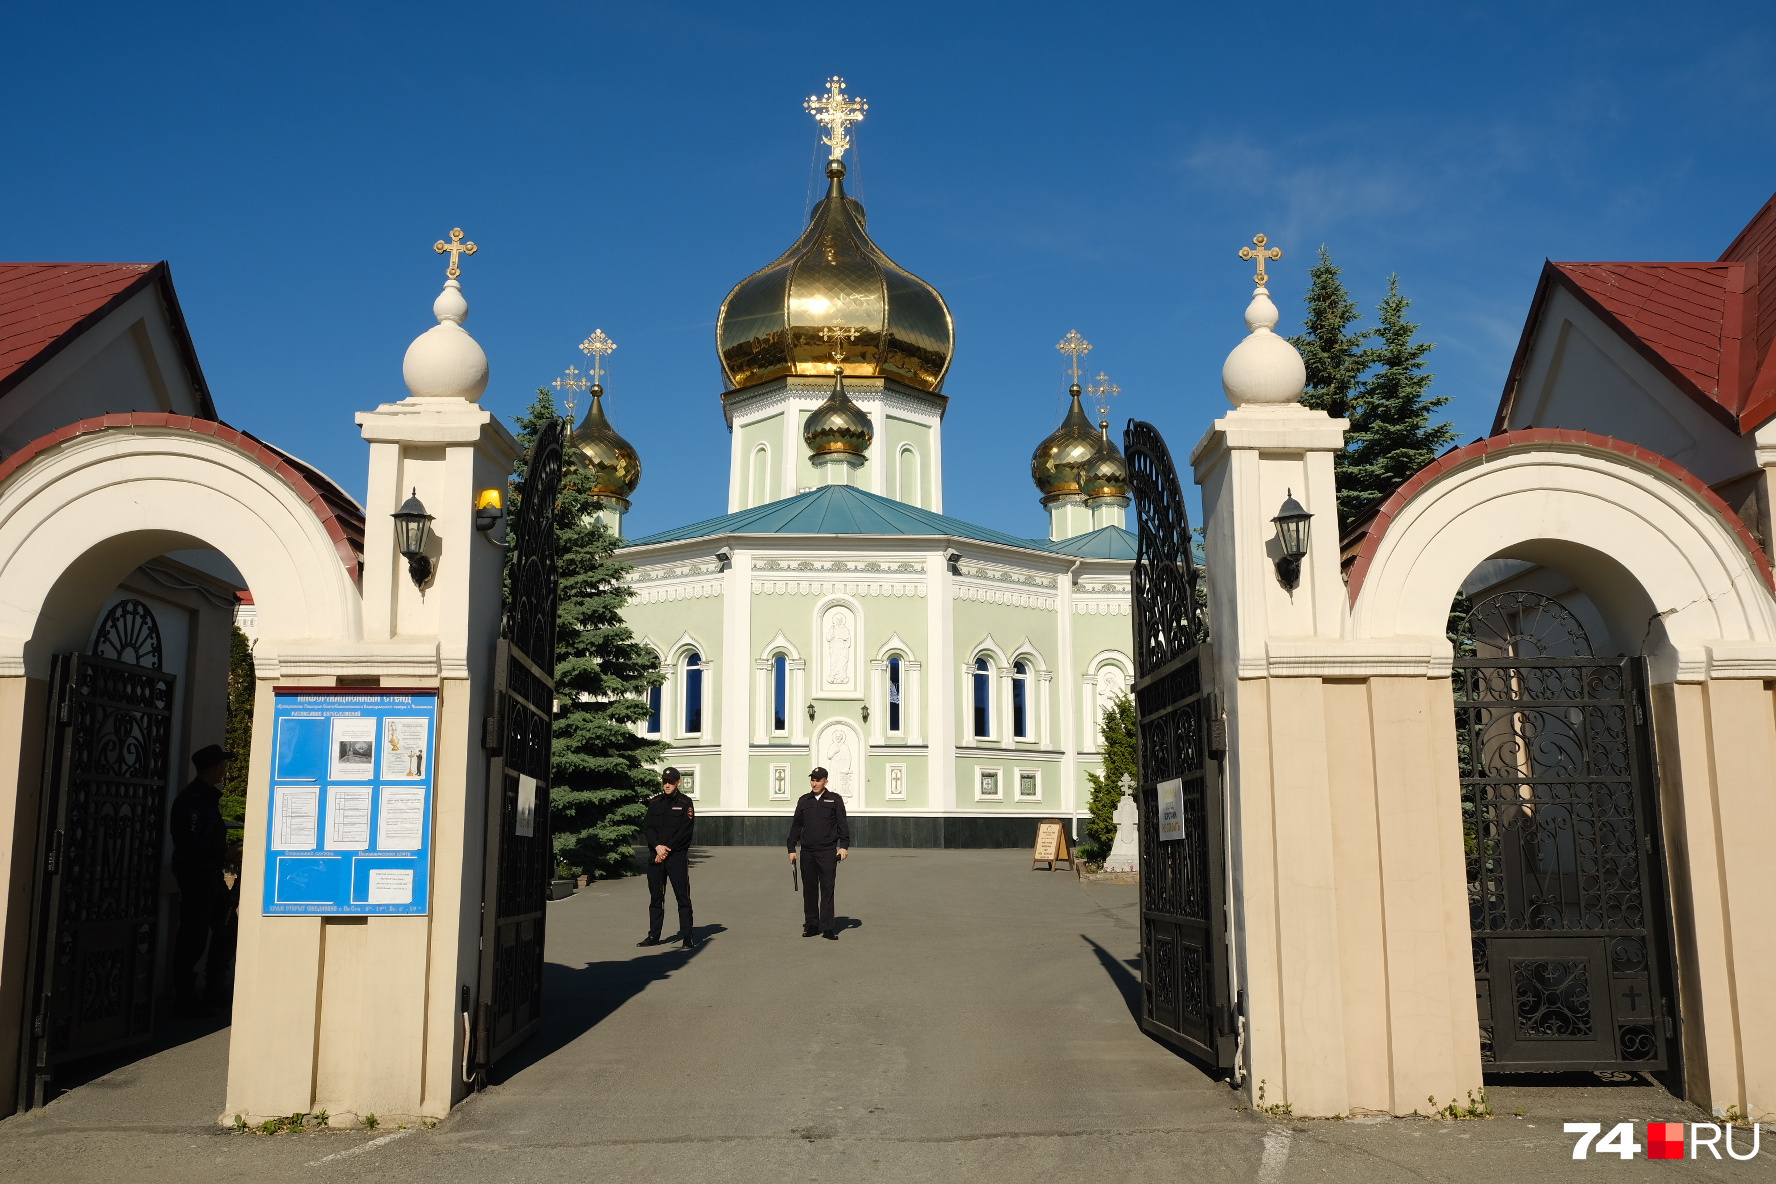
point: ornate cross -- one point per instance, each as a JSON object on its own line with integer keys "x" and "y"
{"x": 1102, "y": 392}
{"x": 837, "y": 111}
{"x": 1273, "y": 254}
{"x": 457, "y": 249}
{"x": 1076, "y": 347}
{"x": 1126, "y": 785}
{"x": 595, "y": 347}
{"x": 572, "y": 382}
{"x": 841, "y": 337}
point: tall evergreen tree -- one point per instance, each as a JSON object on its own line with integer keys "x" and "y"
{"x": 1391, "y": 433}
{"x": 599, "y": 779}
{"x": 1120, "y": 746}
{"x": 1335, "y": 356}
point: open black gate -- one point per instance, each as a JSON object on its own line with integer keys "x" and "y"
{"x": 1184, "y": 980}
{"x": 95, "y": 908}
{"x": 1560, "y": 820}
{"x": 518, "y": 737}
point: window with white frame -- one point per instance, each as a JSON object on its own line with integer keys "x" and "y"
{"x": 780, "y": 694}
{"x": 987, "y": 785}
{"x": 895, "y": 668}
{"x": 1029, "y": 785}
{"x": 692, "y": 681}
{"x": 983, "y": 698}
{"x": 1020, "y": 700}
{"x": 653, "y": 720}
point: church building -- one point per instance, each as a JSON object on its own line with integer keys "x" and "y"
{"x": 950, "y": 677}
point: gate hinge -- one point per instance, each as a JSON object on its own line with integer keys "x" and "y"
{"x": 490, "y": 734}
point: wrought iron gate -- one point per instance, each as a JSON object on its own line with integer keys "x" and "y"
{"x": 518, "y": 737}
{"x": 95, "y": 919}
{"x": 1560, "y": 821}
{"x": 1184, "y": 983}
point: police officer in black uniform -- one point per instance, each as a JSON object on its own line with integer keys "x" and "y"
{"x": 200, "y": 855}
{"x": 667, "y": 831}
{"x": 824, "y": 833}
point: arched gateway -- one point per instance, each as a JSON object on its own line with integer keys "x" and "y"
{"x": 1391, "y": 878}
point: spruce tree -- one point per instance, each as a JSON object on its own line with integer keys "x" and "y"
{"x": 1334, "y": 356}
{"x": 599, "y": 779}
{"x": 1120, "y": 746}
{"x": 1391, "y": 433}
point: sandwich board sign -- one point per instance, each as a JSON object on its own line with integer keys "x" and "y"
{"x": 1051, "y": 844}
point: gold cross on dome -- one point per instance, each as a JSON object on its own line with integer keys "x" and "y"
{"x": 572, "y": 382}
{"x": 1101, "y": 393}
{"x": 1261, "y": 255}
{"x": 837, "y": 111}
{"x": 457, "y": 249}
{"x": 1076, "y": 347}
{"x": 595, "y": 347}
{"x": 841, "y": 337}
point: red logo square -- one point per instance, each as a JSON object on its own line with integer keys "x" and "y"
{"x": 1665, "y": 1140}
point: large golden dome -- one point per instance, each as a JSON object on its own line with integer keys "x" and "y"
{"x": 1058, "y": 461}
{"x": 613, "y": 462}
{"x": 834, "y": 294}
{"x": 838, "y": 426}
{"x": 1106, "y": 474}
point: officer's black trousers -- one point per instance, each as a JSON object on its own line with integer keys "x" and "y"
{"x": 203, "y": 922}
{"x": 677, "y": 868}
{"x": 820, "y": 868}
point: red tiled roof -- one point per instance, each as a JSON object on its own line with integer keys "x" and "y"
{"x": 1708, "y": 327}
{"x": 1374, "y": 525}
{"x": 45, "y": 306}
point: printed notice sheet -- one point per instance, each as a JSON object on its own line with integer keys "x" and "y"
{"x": 391, "y": 886}
{"x": 400, "y": 822}
{"x": 354, "y": 749}
{"x": 295, "y": 813}
{"x": 1171, "y": 809}
{"x": 348, "y": 817}
{"x": 403, "y": 748}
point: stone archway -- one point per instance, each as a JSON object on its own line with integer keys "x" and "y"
{"x": 84, "y": 507}
{"x": 1677, "y": 579}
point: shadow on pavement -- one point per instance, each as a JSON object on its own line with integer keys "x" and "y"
{"x": 170, "y": 1031}
{"x": 575, "y": 999}
{"x": 1122, "y": 974}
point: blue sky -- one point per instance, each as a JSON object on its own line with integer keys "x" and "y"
{"x": 1046, "y": 167}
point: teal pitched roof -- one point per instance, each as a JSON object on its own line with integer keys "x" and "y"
{"x": 844, "y": 509}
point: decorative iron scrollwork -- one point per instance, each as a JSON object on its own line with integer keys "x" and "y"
{"x": 129, "y": 633}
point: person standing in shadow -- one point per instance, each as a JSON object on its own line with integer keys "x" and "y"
{"x": 667, "y": 829}
{"x": 200, "y": 855}
{"x": 823, "y": 831}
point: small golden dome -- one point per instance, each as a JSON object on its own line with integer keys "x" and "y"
{"x": 838, "y": 427}
{"x": 1106, "y": 474}
{"x": 613, "y": 462}
{"x": 834, "y": 294}
{"x": 1057, "y": 462}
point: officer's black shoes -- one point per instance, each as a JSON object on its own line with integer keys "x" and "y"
{"x": 690, "y": 940}
{"x": 829, "y": 935}
{"x": 650, "y": 940}
{"x": 810, "y": 931}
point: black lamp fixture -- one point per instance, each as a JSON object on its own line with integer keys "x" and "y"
{"x": 413, "y": 526}
{"x": 810, "y": 711}
{"x": 1291, "y": 526}
{"x": 866, "y": 713}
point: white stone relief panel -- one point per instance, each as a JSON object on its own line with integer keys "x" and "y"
{"x": 838, "y": 651}
{"x": 839, "y": 749}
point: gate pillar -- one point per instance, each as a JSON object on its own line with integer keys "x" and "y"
{"x": 1350, "y": 933}
{"x": 353, "y": 1014}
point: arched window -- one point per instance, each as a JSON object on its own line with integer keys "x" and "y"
{"x": 653, "y": 725}
{"x": 907, "y": 479}
{"x": 894, "y": 693}
{"x": 983, "y": 697}
{"x": 693, "y": 694}
{"x": 760, "y": 493}
{"x": 780, "y": 694}
{"x": 1020, "y": 701}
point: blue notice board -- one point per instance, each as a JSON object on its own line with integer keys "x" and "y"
{"x": 351, "y": 802}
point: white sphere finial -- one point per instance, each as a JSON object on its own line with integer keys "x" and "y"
{"x": 444, "y": 362}
{"x": 1264, "y": 369}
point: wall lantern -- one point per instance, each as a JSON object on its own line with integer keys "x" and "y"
{"x": 488, "y": 511}
{"x": 866, "y": 713}
{"x": 413, "y": 526}
{"x": 810, "y": 711}
{"x": 1291, "y": 525}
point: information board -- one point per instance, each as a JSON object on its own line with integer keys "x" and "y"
{"x": 351, "y": 802}
{"x": 1051, "y": 844}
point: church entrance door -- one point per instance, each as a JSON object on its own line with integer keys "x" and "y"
{"x": 519, "y": 738}
{"x": 1565, "y": 854}
{"x": 1184, "y": 949}
{"x": 96, "y": 902}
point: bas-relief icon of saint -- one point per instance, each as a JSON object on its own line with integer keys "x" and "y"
{"x": 1111, "y": 687}
{"x": 836, "y": 756}
{"x": 838, "y": 648}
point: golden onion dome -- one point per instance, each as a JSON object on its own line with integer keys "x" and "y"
{"x": 1057, "y": 462}
{"x": 613, "y": 462}
{"x": 838, "y": 427}
{"x": 1106, "y": 474}
{"x": 835, "y": 296}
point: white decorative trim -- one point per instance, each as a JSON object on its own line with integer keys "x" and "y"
{"x": 777, "y": 787}
{"x": 821, "y": 588}
{"x": 895, "y": 782}
{"x": 1005, "y": 597}
{"x": 981, "y": 774}
{"x": 677, "y": 592}
{"x": 1102, "y": 608}
{"x": 1018, "y": 776}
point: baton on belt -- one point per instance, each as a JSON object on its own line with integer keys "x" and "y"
{"x": 794, "y": 883}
